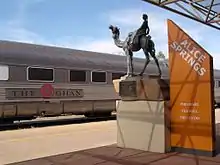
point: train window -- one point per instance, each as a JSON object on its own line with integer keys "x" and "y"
{"x": 98, "y": 76}
{"x": 78, "y": 75}
{"x": 216, "y": 84}
{"x": 4, "y": 72}
{"x": 40, "y": 74}
{"x": 117, "y": 75}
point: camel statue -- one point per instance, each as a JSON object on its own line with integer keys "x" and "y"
{"x": 134, "y": 42}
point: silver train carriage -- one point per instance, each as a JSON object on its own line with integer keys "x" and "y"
{"x": 38, "y": 80}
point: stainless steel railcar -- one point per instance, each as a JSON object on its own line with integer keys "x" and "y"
{"x": 38, "y": 80}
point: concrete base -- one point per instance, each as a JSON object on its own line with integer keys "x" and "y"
{"x": 143, "y": 125}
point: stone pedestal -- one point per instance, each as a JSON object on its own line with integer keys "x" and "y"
{"x": 143, "y": 114}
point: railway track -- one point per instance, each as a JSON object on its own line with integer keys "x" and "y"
{"x": 53, "y": 122}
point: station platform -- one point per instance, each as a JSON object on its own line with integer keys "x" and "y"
{"x": 113, "y": 155}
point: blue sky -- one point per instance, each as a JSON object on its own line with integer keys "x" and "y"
{"x": 83, "y": 24}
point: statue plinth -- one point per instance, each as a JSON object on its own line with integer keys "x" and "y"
{"x": 151, "y": 88}
{"x": 116, "y": 83}
{"x": 143, "y": 114}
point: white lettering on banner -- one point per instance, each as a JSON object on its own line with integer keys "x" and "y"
{"x": 189, "y": 118}
{"x": 191, "y": 55}
{"x": 189, "y": 104}
{"x": 189, "y": 111}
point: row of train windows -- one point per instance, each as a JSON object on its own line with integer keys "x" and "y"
{"x": 47, "y": 74}
{"x": 43, "y": 74}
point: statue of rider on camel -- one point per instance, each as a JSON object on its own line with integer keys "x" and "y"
{"x": 136, "y": 40}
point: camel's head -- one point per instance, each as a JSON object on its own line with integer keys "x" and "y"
{"x": 115, "y": 31}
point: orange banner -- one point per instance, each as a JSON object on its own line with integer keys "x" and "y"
{"x": 191, "y": 93}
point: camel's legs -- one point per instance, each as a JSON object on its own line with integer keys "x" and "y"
{"x": 146, "y": 62}
{"x": 148, "y": 46}
{"x": 158, "y": 66}
{"x": 131, "y": 62}
{"x": 156, "y": 61}
{"x": 129, "y": 68}
{"x": 144, "y": 45}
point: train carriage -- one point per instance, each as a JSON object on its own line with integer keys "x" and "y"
{"x": 37, "y": 80}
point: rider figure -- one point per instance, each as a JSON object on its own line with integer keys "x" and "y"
{"x": 143, "y": 30}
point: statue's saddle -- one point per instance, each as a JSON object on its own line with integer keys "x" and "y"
{"x": 134, "y": 37}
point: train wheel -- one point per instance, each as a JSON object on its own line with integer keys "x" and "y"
{"x": 42, "y": 114}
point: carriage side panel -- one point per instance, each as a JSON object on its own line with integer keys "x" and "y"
{"x": 61, "y": 76}
{"x": 78, "y": 107}
{"x": 17, "y": 73}
{"x": 27, "y": 109}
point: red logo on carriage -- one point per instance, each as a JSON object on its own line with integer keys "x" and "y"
{"x": 47, "y": 90}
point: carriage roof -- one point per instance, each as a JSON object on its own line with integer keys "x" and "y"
{"x": 32, "y": 54}
{"x": 18, "y": 53}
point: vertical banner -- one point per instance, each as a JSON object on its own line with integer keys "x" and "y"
{"x": 191, "y": 94}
